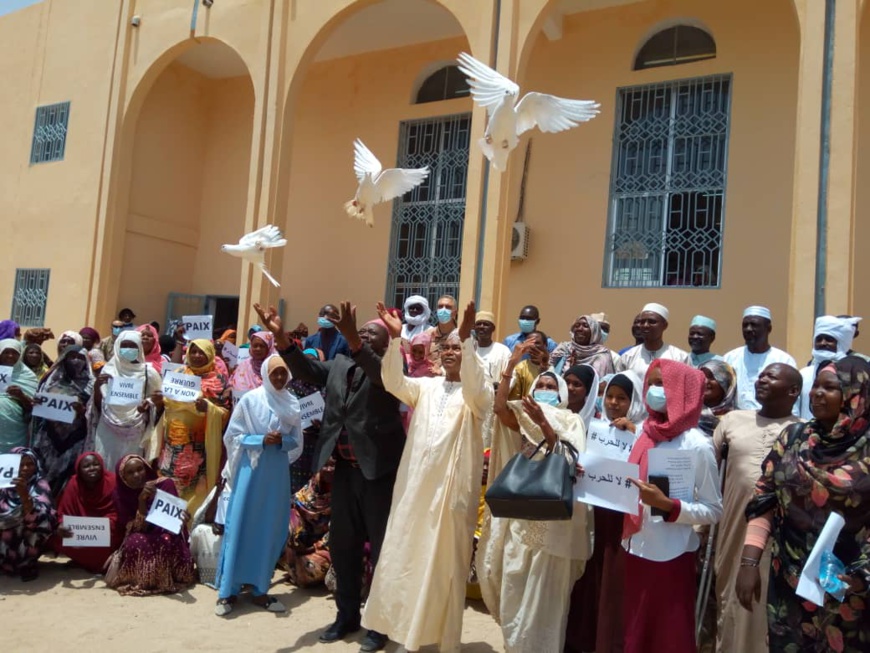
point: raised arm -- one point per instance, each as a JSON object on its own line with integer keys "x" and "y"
{"x": 361, "y": 352}
{"x": 505, "y": 415}
{"x": 395, "y": 382}
{"x": 301, "y": 367}
{"x": 476, "y": 389}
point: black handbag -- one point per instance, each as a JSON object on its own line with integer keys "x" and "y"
{"x": 539, "y": 490}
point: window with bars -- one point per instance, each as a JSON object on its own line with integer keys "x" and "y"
{"x": 49, "y": 133}
{"x": 667, "y": 193}
{"x": 426, "y": 234}
{"x": 30, "y": 296}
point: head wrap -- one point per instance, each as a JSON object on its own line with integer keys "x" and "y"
{"x": 311, "y": 352}
{"x": 601, "y": 317}
{"x": 8, "y": 329}
{"x": 80, "y": 500}
{"x": 126, "y": 498}
{"x": 153, "y": 357}
{"x": 72, "y": 335}
{"x": 703, "y": 321}
{"x": 560, "y": 382}
{"x": 757, "y": 311}
{"x": 632, "y": 386}
{"x": 228, "y": 335}
{"x": 381, "y": 324}
{"x": 726, "y": 378}
{"x": 11, "y": 512}
{"x": 57, "y": 377}
{"x": 485, "y": 316}
{"x": 589, "y": 378}
{"x": 594, "y": 354}
{"x": 419, "y": 323}
{"x": 840, "y": 329}
{"x": 93, "y": 334}
{"x": 658, "y": 309}
{"x": 684, "y": 389}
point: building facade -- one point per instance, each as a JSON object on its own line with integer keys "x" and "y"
{"x": 140, "y": 135}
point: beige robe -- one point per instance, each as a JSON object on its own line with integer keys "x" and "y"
{"x": 749, "y": 438}
{"x": 418, "y": 592}
{"x": 527, "y": 569}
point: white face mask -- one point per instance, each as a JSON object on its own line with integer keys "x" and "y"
{"x": 416, "y": 320}
{"x": 655, "y": 398}
{"x": 824, "y": 356}
{"x": 604, "y": 336}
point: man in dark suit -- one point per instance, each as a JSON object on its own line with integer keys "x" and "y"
{"x": 362, "y": 426}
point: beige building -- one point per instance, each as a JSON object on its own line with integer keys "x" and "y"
{"x": 139, "y": 135}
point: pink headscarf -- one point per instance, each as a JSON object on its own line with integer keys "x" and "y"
{"x": 423, "y": 367}
{"x": 684, "y": 389}
{"x": 154, "y": 357}
{"x": 247, "y": 375}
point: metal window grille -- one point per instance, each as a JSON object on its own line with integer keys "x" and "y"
{"x": 30, "y": 297}
{"x": 426, "y": 235}
{"x": 667, "y": 193}
{"x": 49, "y": 133}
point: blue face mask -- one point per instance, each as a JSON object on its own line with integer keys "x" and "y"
{"x": 129, "y": 354}
{"x": 444, "y": 315}
{"x": 599, "y": 405}
{"x": 324, "y": 323}
{"x": 604, "y": 336}
{"x": 655, "y": 398}
{"x": 527, "y": 326}
{"x": 549, "y": 397}
{"x": 116, "y": 331}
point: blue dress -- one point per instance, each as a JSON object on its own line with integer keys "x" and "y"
{"x": 258, "y": 517}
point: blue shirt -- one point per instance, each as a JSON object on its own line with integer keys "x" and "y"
{"x": 337, "y": 344}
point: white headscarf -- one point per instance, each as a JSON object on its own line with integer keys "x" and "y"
{"x": 563, "y": 387}
{"x": 415, "y": 325}
{"x": 120, "y": 366}
{"x": 840, "y": 329}
{"x": 637, "y": 410}
{"x": 258, "y": 412}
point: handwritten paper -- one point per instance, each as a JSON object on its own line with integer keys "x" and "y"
{"x": 198, "y": 326}
{"x": 9, "y": 464}
{"x": 808, "y": 584}
{"x": 605, "y": 483}
{"x": 5, "y": 377}
{"x": 55, "y": 407}
{"x": 125, "y": 392}
{"x": 87, "y": 531}
{"x": 171, "y": 367}
{"x": 230, "y": 354}
{"x": 679, "y": 467}
{"x": 609, "y": 441}
{"x": 182, "y": 387}
{"x": 166, "y": 511}
{"x": 244, "y": 352}
{"x": 311, "y": 408}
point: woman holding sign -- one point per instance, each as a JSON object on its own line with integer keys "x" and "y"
{"x": 248, "y": 373}
{"x": 190, "y": 452}
{"x": 151, "y": 347}
{"x": 527, "y": 569}
{"x": 122, "y": 425}
{"x": 27, "y": 518}
{"x": 679, "y": 489}
{"x": 16, "y": 394}
{"x": 263, "y": 436}
{"x": 151, "y": 559}
{"x": 57, "y": 443}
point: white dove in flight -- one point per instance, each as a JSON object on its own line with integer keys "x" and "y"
{"x": 509, "y": 119}
{"x": 377, "y": 185}
{"x": 252, "y": 247}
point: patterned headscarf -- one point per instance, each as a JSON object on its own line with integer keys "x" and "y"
{"x": 724, "y": 375}
{"x": 854, "y": 421}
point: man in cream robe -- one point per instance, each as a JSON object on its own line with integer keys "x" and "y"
{"x": 418, "y": 592}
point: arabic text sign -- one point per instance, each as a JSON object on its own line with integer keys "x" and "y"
{"x": 605, "y": 483}
{"x": 197, "y": 327}
{"x": 125, "y": 392}
{"x": 166, "y": 511}
{"x": 181, "y": 386}
{"x": 87, "y": 531}
{"x": 55, "y": 407}
{"x": 609, "y": 441}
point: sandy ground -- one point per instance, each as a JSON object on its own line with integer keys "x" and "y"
{"x": 66, "y": 608}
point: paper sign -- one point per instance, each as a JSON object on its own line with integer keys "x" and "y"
{"x": 311, "y": 408}
{"x": 198, "y": 326}
{"x": 244, "y": 352}
{"x": 5, "y": 377}
{"x": 223, "y": 505}
{"x": 181, "y": 386}
{"x": 166, "y": 511}
{"x": 171, "y": 367}
{"x": 55, "y": 407}
{"x": 125, "y": 392}
{"x": 808, "y": 584}
{"x": 605, "y": 483}
{"x": 609, "y": 441}
{"x": 87, "y": 531}
{"x": 679, "y": 467}
{"x": 230, "y": 354}
{"x": 9, "y": 464}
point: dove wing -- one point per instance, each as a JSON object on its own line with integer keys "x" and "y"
{"x": 251, "y": 239}
{"x": 395, "y": 182}
{"x": 552, "y": 114}
{"x": 364, "y": 161}
{"x": 488, "y": 87}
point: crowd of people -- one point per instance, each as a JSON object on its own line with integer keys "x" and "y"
{"x": 381, "y": 495}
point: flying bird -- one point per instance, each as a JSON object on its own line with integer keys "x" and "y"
{"x": 252, "y": 247}
{"x": 377, "y": 185}
{"x": 509, "y": 119}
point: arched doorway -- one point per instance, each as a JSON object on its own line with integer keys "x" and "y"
{"x": 189, "y": 158}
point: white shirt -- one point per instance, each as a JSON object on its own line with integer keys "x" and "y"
{"x": 495, "y": 359}
{"x": 660, "y": 540}
{"x": 639, "y": 358}
{"x": 748, "y": 366}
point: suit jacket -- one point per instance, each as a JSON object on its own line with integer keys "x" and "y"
{"x": 365, "y": 409}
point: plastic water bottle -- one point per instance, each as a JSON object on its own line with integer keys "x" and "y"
{"x": 830, "y": 569}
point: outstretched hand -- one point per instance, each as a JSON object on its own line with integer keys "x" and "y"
{"x": 269, "y": 319}
{"x": 468, "y": 319}
{"x": 346, "y": 320}
{"x": 394, "y": 324}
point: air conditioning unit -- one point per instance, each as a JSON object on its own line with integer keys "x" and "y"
{"x": 520, "y": 242}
